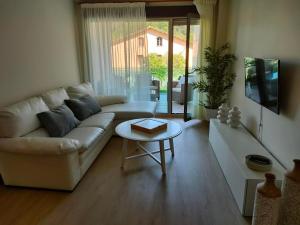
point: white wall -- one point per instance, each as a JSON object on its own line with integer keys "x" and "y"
{"x": 269, "y": 29}
{"x": 38, "y": 47}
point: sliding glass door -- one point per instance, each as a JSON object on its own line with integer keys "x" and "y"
{"x": 158, "y": 55}
{"x": 178, "y": 65}
{"x": 192, "y": 60}
{"x": 172, "y": 50}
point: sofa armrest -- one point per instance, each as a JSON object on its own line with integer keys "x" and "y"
{"x": 39, "y": 145}
{"x": 112, "y": 99}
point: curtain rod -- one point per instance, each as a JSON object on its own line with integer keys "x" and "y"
{"x": 120, "y": 5}
{"x": 179, "y": 2}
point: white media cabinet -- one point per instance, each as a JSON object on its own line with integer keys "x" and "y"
{"x": 230, "y": 146}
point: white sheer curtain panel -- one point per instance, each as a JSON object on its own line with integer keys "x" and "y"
{"x": 207, "y": 12}
{"x": 115, "y": 49}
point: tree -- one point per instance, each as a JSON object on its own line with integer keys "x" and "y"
{"x": 158, "y": 66}
{"x": 178, "y": 66}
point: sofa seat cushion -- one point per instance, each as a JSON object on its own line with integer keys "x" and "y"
{"x": 87, "y": 136}
{"x": 132, "y": 110}
{"x": 20, "y": 119}
{"x": 101, "y": 120}
{"x": 41, "y": 132}
{"x": 55, "y": 98}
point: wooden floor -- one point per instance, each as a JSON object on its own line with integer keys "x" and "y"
{"x": 193, "y": 192}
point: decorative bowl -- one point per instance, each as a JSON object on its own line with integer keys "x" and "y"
{"x": 258, "y": 163}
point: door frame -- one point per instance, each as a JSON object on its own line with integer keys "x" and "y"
{"x": 187, "y": 116}
{"x": 177, "y": 22}
{"x": 170, "y": 66}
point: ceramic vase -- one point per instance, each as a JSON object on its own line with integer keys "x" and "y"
{"x": 223, "y": 113}
{"x": 234, "y": 117}
{"x": 267, "y": 202}
{"x": 290, "y": 209}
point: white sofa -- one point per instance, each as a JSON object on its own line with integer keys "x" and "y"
{"x": 29, "y": 157}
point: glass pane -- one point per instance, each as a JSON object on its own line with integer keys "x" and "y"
{"x": 158, "y": 39}
{"x": 193, "y": 62}
{"x": 179, "y": 57}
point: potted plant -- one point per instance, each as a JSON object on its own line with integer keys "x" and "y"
{"x": 215, "y": 78}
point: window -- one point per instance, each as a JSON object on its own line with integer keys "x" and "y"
{"x": 141, "y": 41}
{"x": 159, "y": 41}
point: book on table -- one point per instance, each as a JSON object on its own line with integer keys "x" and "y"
{"x": 149, "y": 125}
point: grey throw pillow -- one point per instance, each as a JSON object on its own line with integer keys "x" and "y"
{"x": 59, "y": 121}
{"x": 83, "y": 107}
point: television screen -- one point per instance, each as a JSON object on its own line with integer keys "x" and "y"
{"x": 262, "y": 82}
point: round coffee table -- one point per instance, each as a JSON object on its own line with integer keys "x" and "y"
{"x": 124, "y": 130}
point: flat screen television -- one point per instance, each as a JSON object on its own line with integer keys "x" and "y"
{"x": 262, "y": 82}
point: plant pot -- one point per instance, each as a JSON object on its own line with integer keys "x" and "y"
{"x": 210, "y": 113}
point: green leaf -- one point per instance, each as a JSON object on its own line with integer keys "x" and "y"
{"x": 215, "y": 76}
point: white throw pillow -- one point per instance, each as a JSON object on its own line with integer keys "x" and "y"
{"x": 81, "y": 90}
{"x": 55, "y": 98}
{"x": 20, "y": 119}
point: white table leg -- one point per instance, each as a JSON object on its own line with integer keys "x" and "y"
{"x": 172, "y": 146}
{"x": 124, "y": 151}
{"x": 162, "y": 157}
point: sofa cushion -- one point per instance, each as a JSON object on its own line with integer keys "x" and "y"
{"x": 178, "y": 90}
{"x": 20, "y": 118}
{"x": 132, "y": 110}
{"x": 39, "y": 146}
{"x": 83, "y": 107}
{"x": 59, "y": 121}
{"x": 55, "y": 98}
{"x": 111, "y": 99}
{"x": 41, "y": 132}
{"x": 102, "y": 120}
{"x": 81, "y": 90}
{"x": 87, "y": 136}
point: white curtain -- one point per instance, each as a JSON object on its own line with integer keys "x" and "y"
{"x": 207, "y": 12}
{"x": 115, "y": 49}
